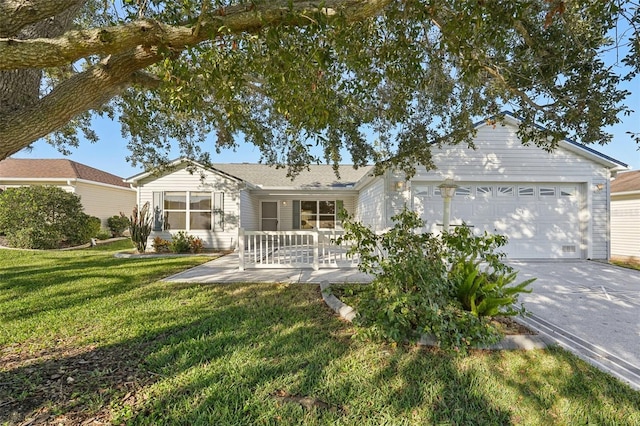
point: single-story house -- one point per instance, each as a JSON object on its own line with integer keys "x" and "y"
{"x": 625, "y": 216}
{"x": 549, "y": 205}
{"x": 102, "y": 194}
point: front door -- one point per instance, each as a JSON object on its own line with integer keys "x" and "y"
{"x": 269, "y": 215}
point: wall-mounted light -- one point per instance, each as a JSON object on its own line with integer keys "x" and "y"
{"x": 598, "y": 187}
{"x": 284, "y": 204}
{"x": 399, "y": 186}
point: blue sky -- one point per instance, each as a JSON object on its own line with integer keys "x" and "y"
{"x": 109, "y": 152}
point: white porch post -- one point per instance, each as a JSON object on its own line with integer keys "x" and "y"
{"x": 241, "y": 249}
{"x": 316, "y": 252}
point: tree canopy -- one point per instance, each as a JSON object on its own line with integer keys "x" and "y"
{"x": 383, "y": 79}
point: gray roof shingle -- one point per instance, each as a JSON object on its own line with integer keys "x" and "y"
{"x": 318, "y": 175}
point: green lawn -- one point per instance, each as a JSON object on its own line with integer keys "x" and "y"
{"x": 85, "y": 336}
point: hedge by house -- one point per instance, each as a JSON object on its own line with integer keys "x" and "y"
{"x": 44, "y": 217}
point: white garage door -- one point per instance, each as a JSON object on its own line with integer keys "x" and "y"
{"x": 541, "y": 220}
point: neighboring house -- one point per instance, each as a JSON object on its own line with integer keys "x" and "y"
{"x": 102, "y": 194}
{"x": 625, "y": 216}
{"x": 550, "y": 205}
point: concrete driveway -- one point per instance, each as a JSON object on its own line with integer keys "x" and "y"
{"x": 591, "y": 308}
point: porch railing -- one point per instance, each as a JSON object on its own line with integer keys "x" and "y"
{"x": 293, "y": 249}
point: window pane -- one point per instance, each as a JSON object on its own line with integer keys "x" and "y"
{"x": 567, "y": 191}
{"x": 327, "y": 207}
{"x": 309, "y": 206}
{"x": 548, "y": 192}
{"x": 486, "y": 191}
{"x": 526, "y": 191}
{"x": 307, "y": 221}
{"x": 463, "y": 190}
{"x": 200, "y": 220}
{"x": 327, "y": 222}
{"x": 200, "y": 201}
{"x": 175, "y": 200}
{"x": 505, "y": 190}
{"x": 175, "y": 220}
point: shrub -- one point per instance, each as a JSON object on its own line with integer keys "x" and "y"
{"x": 117, "y": 224}
{"x": 140, "y": 227}
{"x": 160, "y": 245}
{"x": 103, "y": 234}
{"x": 42, "y": 217}
{"x": 44, "y": 237}
{"x": 419, "y": 285}
{"x": 85, "y": 228}
{"x": 180, "y": 243}
{"x": 196, "y": 245}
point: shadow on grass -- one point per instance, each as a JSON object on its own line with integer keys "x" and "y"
{"x": 253, "y": 353}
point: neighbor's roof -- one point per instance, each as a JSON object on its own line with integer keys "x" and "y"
{"x": 25, "y": 168}
{"x": 626, "y": 182}
{"x": 318, "y": 175}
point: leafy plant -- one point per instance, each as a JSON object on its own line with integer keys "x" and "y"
{"x": 431, "y": 284}
{"x": 140, "y": 227}
{"x": 160, "y": 245}
{"x": 43, "y": 217}
{"x": 196, "y": 245}
{"x": 117, "y": 224}
{"x": 486, "y": 294}
{"x": 180, "y": 243}
{"x": 103, "y": 234}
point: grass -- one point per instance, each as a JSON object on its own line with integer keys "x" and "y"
{"x": 142, "y": 351}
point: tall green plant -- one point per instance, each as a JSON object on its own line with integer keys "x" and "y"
{"x": 140, "y": 226}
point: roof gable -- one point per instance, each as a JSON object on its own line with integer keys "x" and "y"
{"x": 571, "y": 145}
{"x": 25, "y": 168}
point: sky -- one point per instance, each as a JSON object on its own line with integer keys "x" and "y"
{"x": 109, "y": 153}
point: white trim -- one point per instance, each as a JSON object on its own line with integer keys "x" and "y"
{"x": 67, "y": 182}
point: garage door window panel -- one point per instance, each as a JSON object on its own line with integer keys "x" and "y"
{"x": 505, "y": 191}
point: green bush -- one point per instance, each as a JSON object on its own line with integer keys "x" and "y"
{"x": 117, "y": 224}
{"x": 419, "y": 285}
{"x": 44, "y": 237}
{"x": 43, "y": 217}
{"x": 180, "y": 243}
{"x": 103, "y": 234}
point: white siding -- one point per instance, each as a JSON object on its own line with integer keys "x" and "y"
{"x": 105, "y": 201}
{"x": 500, "y": 157}
{"x": 625, "y": 226}
{"x": 249, "y": 211}
{"x": 371, "y": 207}
{"x": 182, "y": 180}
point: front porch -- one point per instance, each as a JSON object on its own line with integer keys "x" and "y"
{"x": 313, "y": 249}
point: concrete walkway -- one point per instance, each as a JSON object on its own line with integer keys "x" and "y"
{"x": 589, "y": 308}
